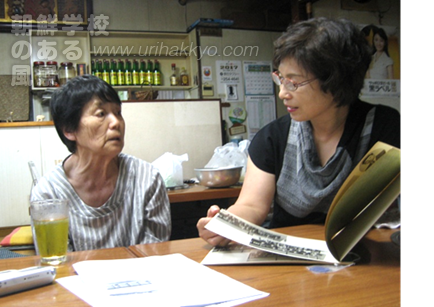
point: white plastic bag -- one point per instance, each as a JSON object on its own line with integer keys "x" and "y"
{"x": 170, "y": 168}
{"x": 230, "y": 155}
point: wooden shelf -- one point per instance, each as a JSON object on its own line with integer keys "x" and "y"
{"x": 154, "y": 87}
{"x": 26, "y": 124}
{"x": 198, "y": 192}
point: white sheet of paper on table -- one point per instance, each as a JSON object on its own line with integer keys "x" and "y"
{"x": 169, "y": 280}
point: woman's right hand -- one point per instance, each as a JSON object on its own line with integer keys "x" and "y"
{"x": 207, "y": 235}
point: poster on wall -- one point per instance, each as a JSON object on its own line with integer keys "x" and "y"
{"x": 229, "y": 77}
{"x": 382, "y": 77}
{"x": 257, "y": 78}
{"x": 206, "y": 73}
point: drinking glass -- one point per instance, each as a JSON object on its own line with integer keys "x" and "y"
{"x": 50, "y": 229}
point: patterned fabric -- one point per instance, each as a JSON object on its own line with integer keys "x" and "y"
{"x": 5, "y": 253}
{"x": 137, "y": 212}
{"x": 302, "y": 169}
{"x": 19, "y": 236}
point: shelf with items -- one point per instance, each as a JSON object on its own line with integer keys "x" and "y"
{"x": 164, "y": 63}
{"x": 166, "y": 48}
{"x": 57, "y": 47}
{"x": 149, "y": 93}
{"x": 154, "y": 87}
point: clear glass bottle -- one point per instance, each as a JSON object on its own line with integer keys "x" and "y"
{"x": 66, "y": 72}
{"x": 38, "y": 76}
{"x": 51, "y": 74}
{"x": 173, "y": 77}
{"x": 184, "y": 77}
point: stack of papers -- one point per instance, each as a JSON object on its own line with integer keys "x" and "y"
{"x": 170, "y": 280}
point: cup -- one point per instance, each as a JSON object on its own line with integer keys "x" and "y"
{"x": 50, "y": 229}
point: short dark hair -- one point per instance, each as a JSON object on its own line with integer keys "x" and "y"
{"x": 334, "y": 51}
{"x": 67, "y": 103}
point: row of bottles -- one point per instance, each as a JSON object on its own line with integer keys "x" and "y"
{"x": 118, "y": 73}
{"x": 121, "y": 73}
{"x": 183, "y": 78}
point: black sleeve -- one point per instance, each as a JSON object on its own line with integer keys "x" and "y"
{"x": 268, "y": 146}
{"x": 387, "y": 127}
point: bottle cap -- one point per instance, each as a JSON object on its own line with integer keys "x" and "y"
{"x": 52, "y": 63}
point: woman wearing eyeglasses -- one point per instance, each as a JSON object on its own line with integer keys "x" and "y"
{"x": 298, "y": 162}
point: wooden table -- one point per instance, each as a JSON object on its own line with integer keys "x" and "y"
{"x": 55, "y": 294}
{"x": 376, "y": 283}
{"x": 198, "y": 192}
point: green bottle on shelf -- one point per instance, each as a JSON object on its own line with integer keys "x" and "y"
{"x": 106, "y": 71}
{"x": 157, "y": 73}
{"x": 142, "y": 73}
{"x": 149, "y": 74}
{"x": 135, "y": 73}
{"x": 98, "y": 70}
{"x": 128, "y": 75}
{"x": 113, "y": 73}
{"x": 93, "y": 68}
{"x": 121, "y": 72}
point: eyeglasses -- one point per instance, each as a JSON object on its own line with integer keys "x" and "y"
{"x": 288, "y": 83}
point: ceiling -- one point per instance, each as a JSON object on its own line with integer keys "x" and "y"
{"x": 261, "y": 14}
{"x": 256, "y": 5}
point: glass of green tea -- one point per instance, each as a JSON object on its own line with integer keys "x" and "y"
{"x": 50, "y": 229}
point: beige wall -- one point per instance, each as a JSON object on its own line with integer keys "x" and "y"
{"x": 170, "y": 16}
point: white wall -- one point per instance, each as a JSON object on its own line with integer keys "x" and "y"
{"x": 250, "y": 46}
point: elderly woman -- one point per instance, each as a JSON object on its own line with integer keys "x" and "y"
{"x": 299, "y": 161}
{"x": 115, "y": 199}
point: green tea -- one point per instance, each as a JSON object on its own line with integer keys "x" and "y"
{"x": 52, "y": 237}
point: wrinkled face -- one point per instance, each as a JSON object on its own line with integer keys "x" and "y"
{"x": 308, "y": 102}
{"x": 101, "y": 130}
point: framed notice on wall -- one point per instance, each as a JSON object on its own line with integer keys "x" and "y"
{"x": 31, "y": 13}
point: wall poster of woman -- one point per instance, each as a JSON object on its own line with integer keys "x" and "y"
{"x": 382, "y": 77}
